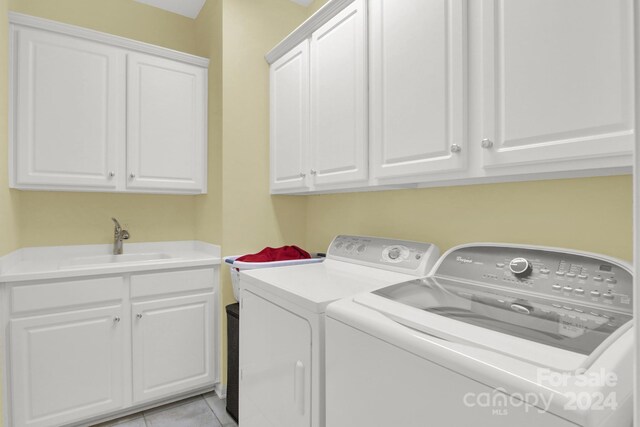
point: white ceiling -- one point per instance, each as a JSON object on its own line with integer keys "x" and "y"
{"x": 191, "y": 8}
{"x": 188, "y": 8}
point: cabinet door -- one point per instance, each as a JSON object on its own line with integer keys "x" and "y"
{"x": 290, "y": 119}
{"x": 66, "y": 367}
{"x": 173, "y": 346}
{"x": 68, "y": 111}
{"x": 339, "y": 98}
{"x": 275, "y": 362}
{"x": 166, "y": 128}
{"x": 557, "y": 80}
{"x": 418, "y": 77}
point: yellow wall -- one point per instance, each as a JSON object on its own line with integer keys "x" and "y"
{"x": 251, "y": 219}
{"x": 208, "y": 207}
{"x": 238, "y": 211}
{"x": 76, "y": 218}
{"x": 8, "y": 214}
{"x": 591, "y": 214}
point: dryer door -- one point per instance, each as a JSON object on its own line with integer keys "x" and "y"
{"x": 275, "y": 365}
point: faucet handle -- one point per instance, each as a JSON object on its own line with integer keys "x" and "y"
{"x": 124, "y": 234}
{"x": 117, "y": 224}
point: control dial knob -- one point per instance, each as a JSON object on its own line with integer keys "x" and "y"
{"x": 520, "y": 267}
{"x": 394, "y": 253}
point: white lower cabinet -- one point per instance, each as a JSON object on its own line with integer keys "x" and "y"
{"x": 172, "y": 345}
{"x": 79, "y": 350}
{"x": 67, "y": 366}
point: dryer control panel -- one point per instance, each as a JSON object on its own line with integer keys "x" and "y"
{"x": 415, "y": 258}
{"x": 564, "y": 276}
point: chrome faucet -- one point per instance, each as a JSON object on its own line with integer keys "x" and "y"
{"x": 119, "y": 235}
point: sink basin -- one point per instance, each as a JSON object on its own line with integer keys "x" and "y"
{"x": 105, "y": 260}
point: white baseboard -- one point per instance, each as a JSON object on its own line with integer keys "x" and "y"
{"x": 221, "y": 390}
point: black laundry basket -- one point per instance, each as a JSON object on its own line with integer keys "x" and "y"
{"x": 233, "y": 345}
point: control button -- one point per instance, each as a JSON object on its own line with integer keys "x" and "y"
{"x": 578, "y": 310}
{"x": 338, "y": 245}
{"x": 567, "y": 308}
{"x": 595, "y": 293}
{"x": 520, "y": 267}
{"x": 559, "y": 273}
{"x": 579, "y": 291}
{"x": 606, "y": 317}
{"x": 556, "y": 305}
{"x": 567, "y": 289}
{"x": 612, "y": 281}
{"x": 593, "y": 313}
{"x": 350, "y": 247}
{"x": 544, "y": 271}
{"x": 499, "y": 264}
{"x": 520, "y": 309}
{"x": 556, "y": 287}
{"x": 611, "y": 325}
{"x": 598, "y": 279}
{"x": 571, "y": 274}
{"x": 582, "y": 276}
{"x": 418, "y": 256}
{"x": 394, "y": 253}
{"x": 361, "y": 248}
{"x": 608, "y": 296}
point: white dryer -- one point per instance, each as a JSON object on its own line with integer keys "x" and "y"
{"x": 498, "y": 335}
{"x": 282, "y": 323}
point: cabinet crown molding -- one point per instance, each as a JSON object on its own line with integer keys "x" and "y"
{"x": 304, "y": 31}
{"x": 105, "y": 38}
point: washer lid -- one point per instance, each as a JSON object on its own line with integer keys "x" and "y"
{"x": 571, "y": 301}
{"x": 534, "y": 319}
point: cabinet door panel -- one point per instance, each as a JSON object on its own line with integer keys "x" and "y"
{"x": 339, "y": 98}
{"x": 66, "y": 367}
{"x": 173, "y": 344}
{"x": 557, "y": 80}
{"x": 418, "y": 75}
{"x": 69, "y": 110}
{"x": 275, "y": 363}
{"x": 290, "y": 119}
{"x": 166, "y": 140}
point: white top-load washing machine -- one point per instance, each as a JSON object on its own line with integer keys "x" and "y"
{"x": 282, "y": 323}
{"x": 497, "y": 335}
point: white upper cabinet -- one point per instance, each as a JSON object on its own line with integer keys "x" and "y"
{"x": 94, "y": 112}
{"x": 69, "y": 111}
{"x": 166, "y": 111}
{"x": 339, "y": 98}
{"x": 289, "y": 109}
{"x": 557, "y": 80}
{"x": 418, "y": 78}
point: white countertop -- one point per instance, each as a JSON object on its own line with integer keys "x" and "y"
{"x": 53, "y": 262}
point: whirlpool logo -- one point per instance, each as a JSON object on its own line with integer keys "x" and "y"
{"x": 464, "y": 260}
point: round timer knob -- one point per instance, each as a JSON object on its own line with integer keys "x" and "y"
{"x": 394, "y": 253}
{"x": 520, "y": 267}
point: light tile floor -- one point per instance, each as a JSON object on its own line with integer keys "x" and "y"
{"x": 206, "y": 410}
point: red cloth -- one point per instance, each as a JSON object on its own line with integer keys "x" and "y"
{"x": 276, "y": 254}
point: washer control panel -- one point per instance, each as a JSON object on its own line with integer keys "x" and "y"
{"x": 565, "y": 278}
{"x": 416, "y": 258}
